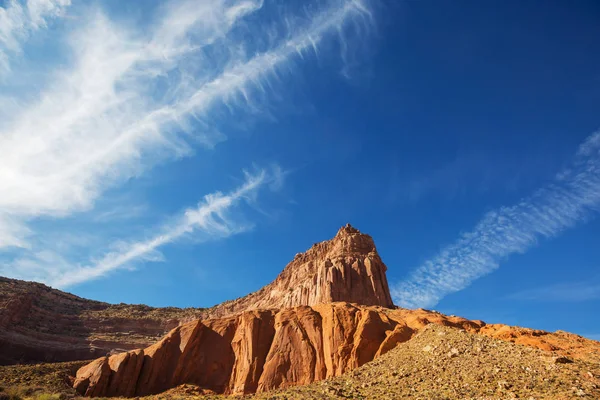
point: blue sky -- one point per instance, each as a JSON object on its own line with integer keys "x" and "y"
{"x": 181, "y": 152}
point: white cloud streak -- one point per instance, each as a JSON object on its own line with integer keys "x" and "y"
{"x": 108, "y": 118}
{"x": 572, "y": 198}
{"x": 210, "y": 219}
{"x": 18, "y": 20}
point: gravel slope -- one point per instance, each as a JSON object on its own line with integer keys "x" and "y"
{"x": 446, "y": 363}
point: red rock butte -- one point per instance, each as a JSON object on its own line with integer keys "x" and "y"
{"x": 346, "y": 268}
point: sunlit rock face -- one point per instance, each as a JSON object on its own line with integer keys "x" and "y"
{"x": 257, "y": 351}
{"x": 345, "y": 268}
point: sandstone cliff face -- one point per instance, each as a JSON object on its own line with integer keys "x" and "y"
{"x": 345, "y": 268}
{"x": 258, "y": 351}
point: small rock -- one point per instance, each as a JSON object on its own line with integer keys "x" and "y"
{"x": 427, "y": 348}
{"x": 453, "y": 352}
{"x": 504, "y": 385}
{"x": 561, "y": 360}
{"x": 333, "y": 391}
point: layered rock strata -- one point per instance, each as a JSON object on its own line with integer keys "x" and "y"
{"x": 41, "y": 324}
{"x": 345, "y": 268}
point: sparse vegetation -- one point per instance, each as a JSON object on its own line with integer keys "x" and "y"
{"x": 30, "y": 393}
{"x": 52, "y": 380}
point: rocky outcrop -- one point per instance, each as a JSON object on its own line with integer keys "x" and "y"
{"x": 38, "y": 323}
{"x": 258, "y": 351}
{"x": 345, "y": 268}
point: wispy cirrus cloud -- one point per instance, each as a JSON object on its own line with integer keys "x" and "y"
{"x": 130, "y": 96}
{"x": 210, "y": 219}
{"x": 19, "y": 19}
{"x": 561, "y": 292}
{"x": 572, "y": 198}
{"x": 98, "y": 123}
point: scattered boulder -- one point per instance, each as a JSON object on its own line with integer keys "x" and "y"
{"x": 561, "y": 360}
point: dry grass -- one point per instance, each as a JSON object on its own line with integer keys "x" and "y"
{"x": 49, "y": 379}
{"x": 30, "y": 393}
